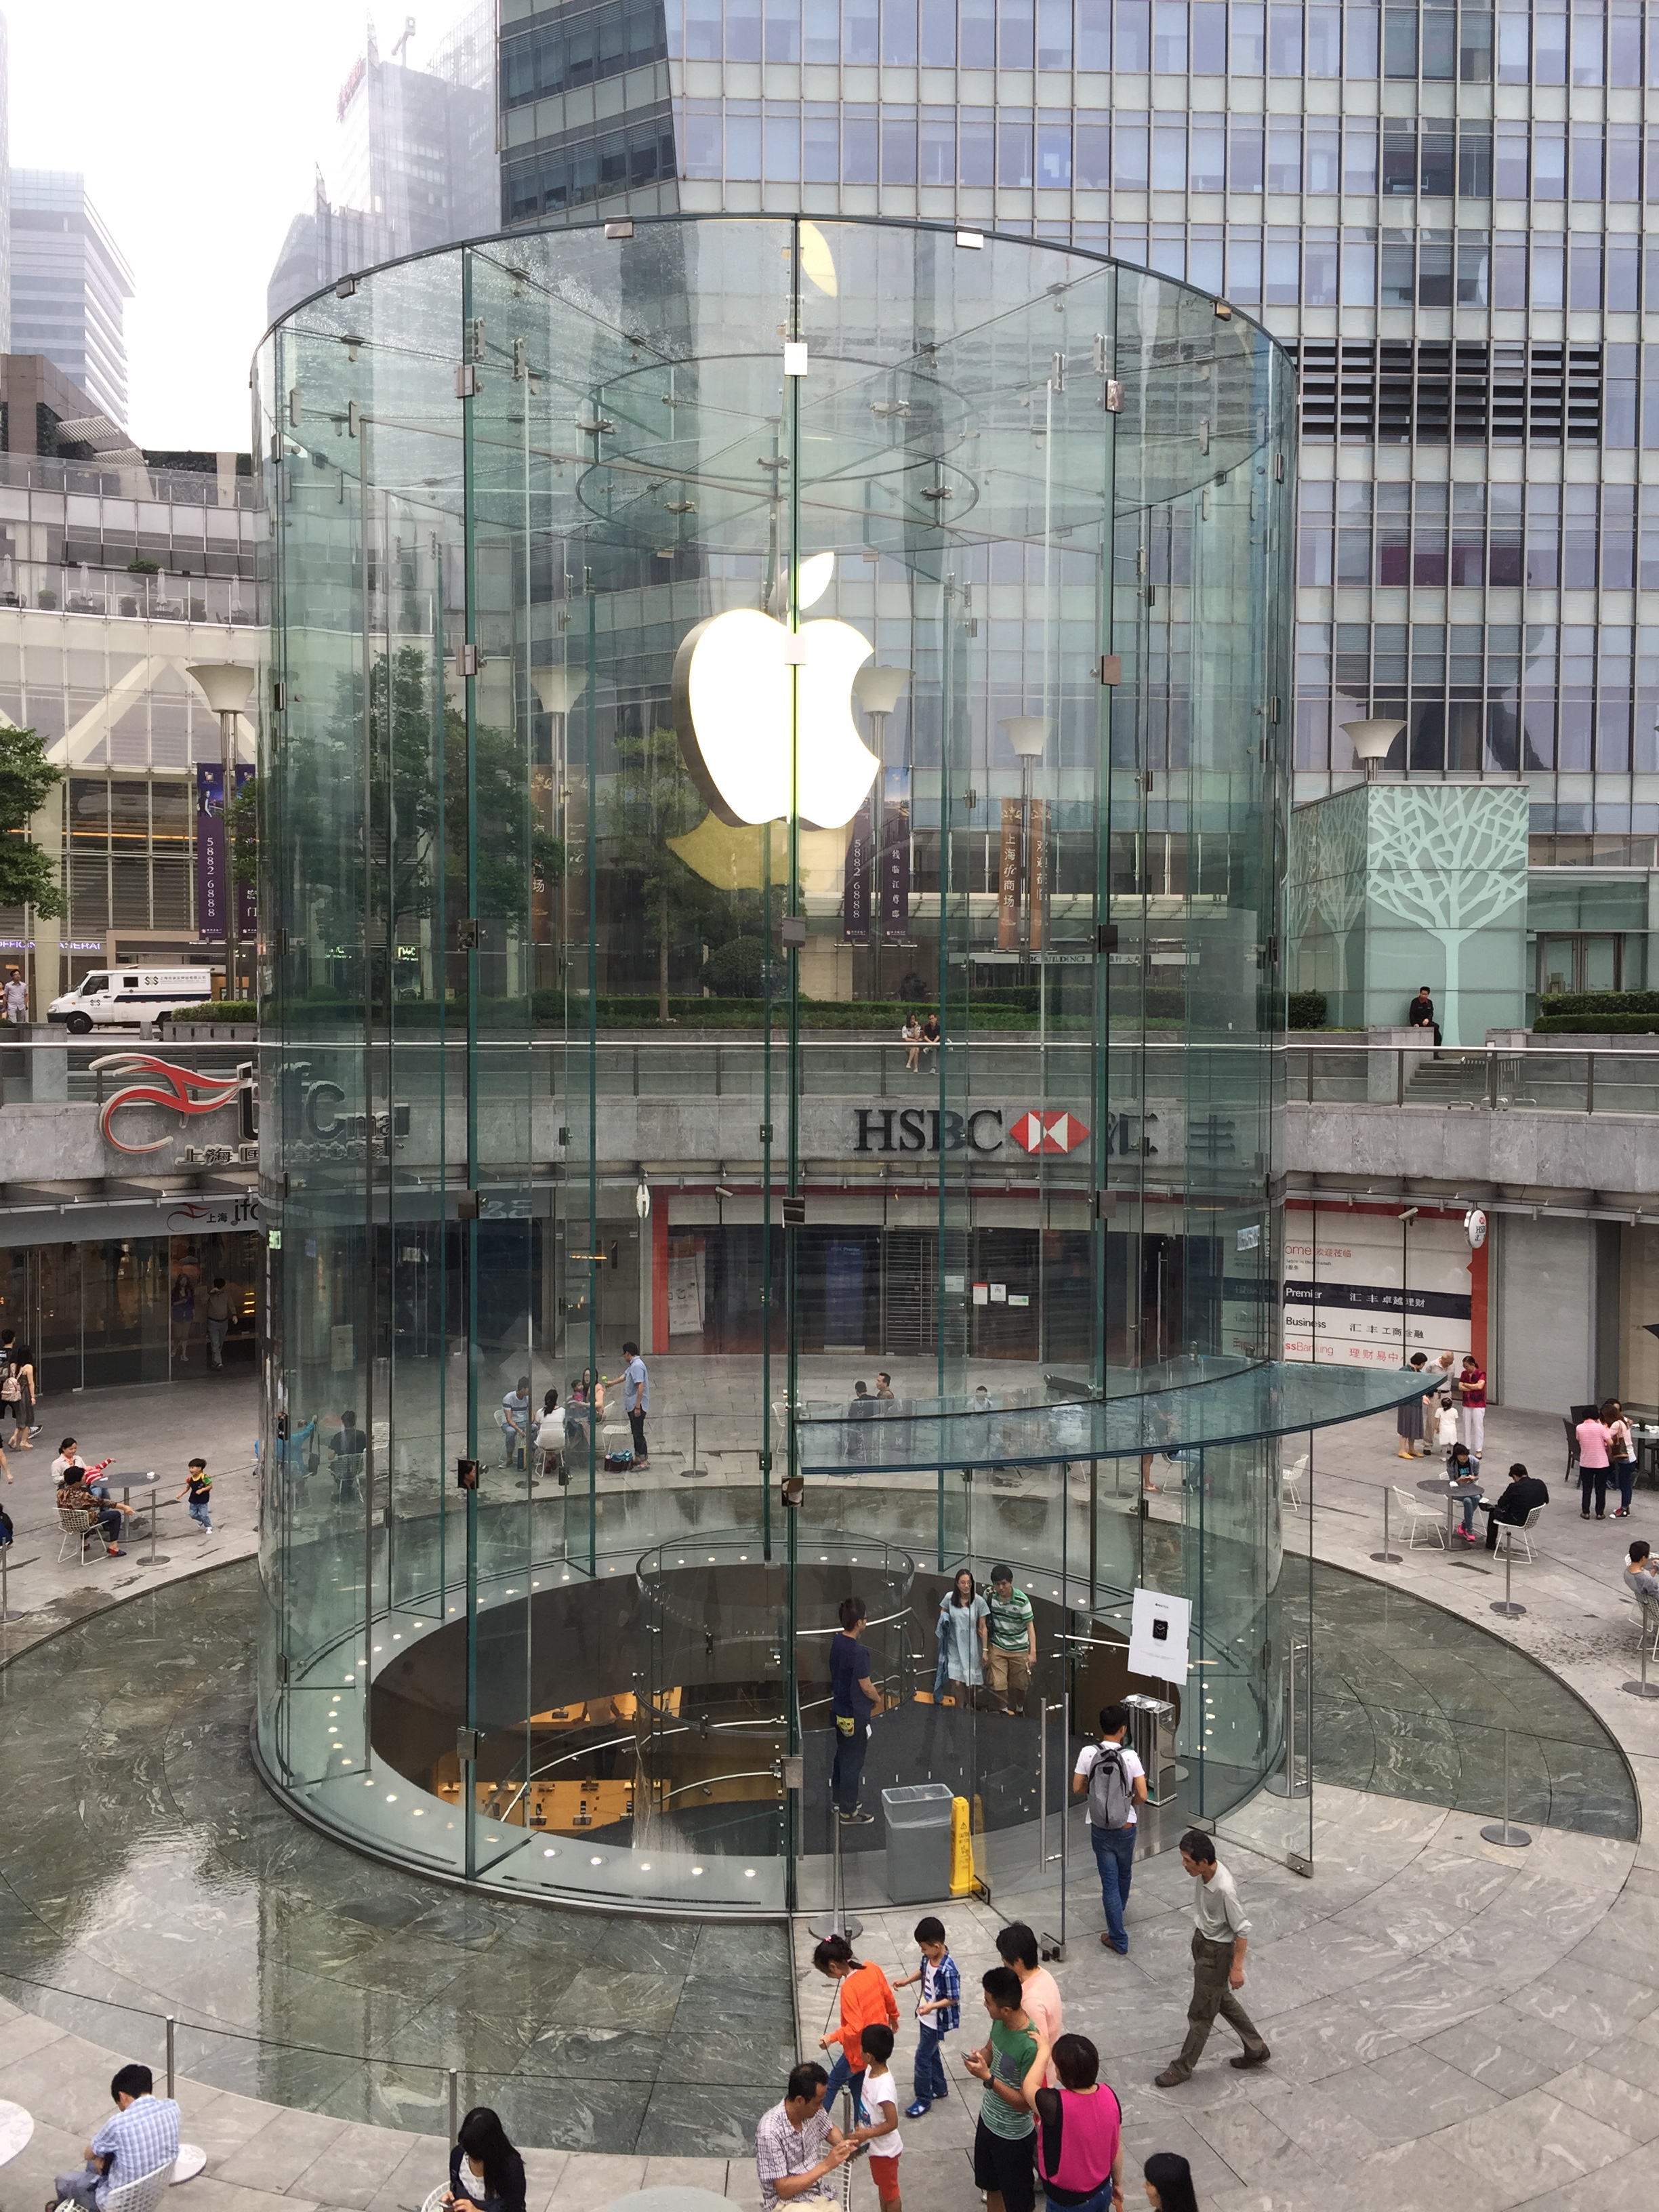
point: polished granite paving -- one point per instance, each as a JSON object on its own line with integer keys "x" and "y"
{"x": 147, "y": 1870}
{"x": 1412, "y": 1701}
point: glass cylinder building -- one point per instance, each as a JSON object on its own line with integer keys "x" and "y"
{"x": 713, "y": 905}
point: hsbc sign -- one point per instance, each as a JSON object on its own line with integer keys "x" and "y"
{"x": 1033, "y": 1129}
{"x": 1043, "y": 1129}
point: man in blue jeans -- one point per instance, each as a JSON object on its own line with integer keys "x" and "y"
{"x": 1115, "y": 1794}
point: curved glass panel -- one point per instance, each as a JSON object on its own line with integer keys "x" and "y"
{"x": 775, "y": 801}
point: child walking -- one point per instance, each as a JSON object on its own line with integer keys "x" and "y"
{"x": 938, "y": 2012}
{"x": 877, "y": 2111}
{"x": 866, "y": 2000}
{"x": 199, "y": 1484}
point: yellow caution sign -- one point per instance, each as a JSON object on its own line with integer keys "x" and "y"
{"x": 961, "y": 1850}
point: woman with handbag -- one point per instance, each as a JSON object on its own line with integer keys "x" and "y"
{"x": 1621, "y": 1455}
{"x": 27, "y": 1427}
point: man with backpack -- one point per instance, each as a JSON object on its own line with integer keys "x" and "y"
{"x": 1115, "y": 1783}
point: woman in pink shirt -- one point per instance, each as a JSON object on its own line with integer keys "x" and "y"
{"x": 1594, "y": 1438}
{"x": 1079, "y": 2127}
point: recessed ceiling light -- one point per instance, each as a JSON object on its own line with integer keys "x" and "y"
{"x": 596, "y": 1860}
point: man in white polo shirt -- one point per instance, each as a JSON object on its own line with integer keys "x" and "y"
{"x": 1115, "y": 1782}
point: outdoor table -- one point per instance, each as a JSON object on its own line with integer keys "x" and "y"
{"x": 127, "y": 1484}
{"x": 16, "y": 2126}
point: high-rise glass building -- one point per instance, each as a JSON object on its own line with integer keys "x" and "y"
{"x": 413, "y": 163}
{"x": 5, "y": 192}
{"x": 1441, "y": 211}
{"x": 70, "y": 286}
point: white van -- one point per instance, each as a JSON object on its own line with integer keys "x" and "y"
{"x": 125, "y": 997}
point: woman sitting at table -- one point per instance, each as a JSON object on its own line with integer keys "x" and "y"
{"x": 1463, "y": 1472}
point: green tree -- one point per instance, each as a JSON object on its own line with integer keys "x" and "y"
{"x": 652, "y": 799}
{"x": 242, "y": 832}
{"x": 29, "y": 877}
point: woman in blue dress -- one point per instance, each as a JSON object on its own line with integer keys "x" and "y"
{"x": 964, "y": 1615}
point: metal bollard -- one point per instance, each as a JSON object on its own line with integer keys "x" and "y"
{"x": 171, "y": 2025}
{"x": 454, "y": 2104}
{"x": 1385, "y": 1557}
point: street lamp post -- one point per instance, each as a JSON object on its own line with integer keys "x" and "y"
{"x": 226, "y": 686}
{"x": 1372, "y": 742}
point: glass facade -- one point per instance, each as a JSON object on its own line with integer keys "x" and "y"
{"x": 1442, "y": 209}
{"x": 965, "y": 564}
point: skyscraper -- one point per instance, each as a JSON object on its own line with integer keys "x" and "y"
{"x": 70, "y": 282}
{"x": 5, "y": 193}
{"x": 1442, "y": 209}
{"x": 413, "y": 164}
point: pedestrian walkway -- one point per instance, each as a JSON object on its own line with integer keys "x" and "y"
{"x": 1451, "y": 2023}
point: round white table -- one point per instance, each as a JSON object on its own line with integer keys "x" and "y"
{"x": 16, "y": 2126}
{"x": 189, "y": 2163}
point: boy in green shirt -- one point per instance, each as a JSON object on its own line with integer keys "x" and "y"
{"x": 1002, "y": 2139}
{"x": 1012, "y": 1651}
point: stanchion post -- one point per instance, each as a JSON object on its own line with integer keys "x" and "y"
{"x": 454, "y": 2104}
{"x": 1502, "y": 1831}
{"x": 1386, "y": 1557}
{"x": 172, "y": 2026}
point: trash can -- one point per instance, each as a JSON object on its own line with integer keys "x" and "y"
{"x": 917, "y": 1820}
{"x": 1151, "y": 1737}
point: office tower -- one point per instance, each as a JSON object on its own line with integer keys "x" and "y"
{"x": 5, "y": 194}
{"x": 413, "y": 163}
{"x": 1441, "y": 209}
{"x": 70, "y": 281}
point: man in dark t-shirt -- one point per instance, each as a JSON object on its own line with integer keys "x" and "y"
{"x": 855, "y": 1700}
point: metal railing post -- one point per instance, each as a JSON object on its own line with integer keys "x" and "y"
{"x": 172, "y": 2026}
{"x": 1386, "y": 1557}
{"x": 454, "y": 2104}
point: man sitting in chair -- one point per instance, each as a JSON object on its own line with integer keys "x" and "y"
{"x": 1639, "y": 1577}
{"x": 1525, "y": 1490}
{"x": 141, "y": 2137}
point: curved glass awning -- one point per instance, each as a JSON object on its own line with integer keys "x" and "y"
{"x": 1278, "y": 1398}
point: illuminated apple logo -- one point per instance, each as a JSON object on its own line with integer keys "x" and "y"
{"x": 733, "y": 691}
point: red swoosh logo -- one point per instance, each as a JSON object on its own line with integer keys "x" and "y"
{"x": 184, "y": 1092}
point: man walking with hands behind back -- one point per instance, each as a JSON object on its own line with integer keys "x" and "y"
{"x": 1220, "y": 1936}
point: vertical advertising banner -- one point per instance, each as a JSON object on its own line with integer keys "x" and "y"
{"x": 1008, "y": 879}
{"x": 859, "y": 871}
{"x": 246, "y": 916}
{"x": 895, "y": 857}
{"x": 1037, "y": 890}
{"x": 212, "y": 882}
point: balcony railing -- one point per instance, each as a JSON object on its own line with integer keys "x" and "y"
{"x": 120, "y": 593}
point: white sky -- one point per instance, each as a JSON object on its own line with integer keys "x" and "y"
{"x": 198, "y": 124}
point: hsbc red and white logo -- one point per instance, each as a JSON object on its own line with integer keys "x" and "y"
{"x": 1046, "y": 1129}
{"x": 1043, "y": 1129}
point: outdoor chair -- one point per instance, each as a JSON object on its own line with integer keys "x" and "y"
{"x": 1290, "y": 1481}
{"x": 80, "y": 1526}
{"x": 1419, "y": 1515}
{"x": 1511, "y": 1533}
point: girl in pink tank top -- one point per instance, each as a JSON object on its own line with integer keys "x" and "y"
{"x": 1079, "y": 2131}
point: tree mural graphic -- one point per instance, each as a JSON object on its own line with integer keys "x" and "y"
{"x": 1326, "y": 893}
{"x": 1452, "y": 859}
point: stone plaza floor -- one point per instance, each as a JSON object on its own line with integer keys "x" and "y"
{"x": 1450, "y": 2021}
